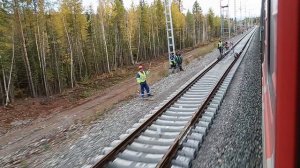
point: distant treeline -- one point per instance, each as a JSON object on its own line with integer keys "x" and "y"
{"x": 46, "y": 48}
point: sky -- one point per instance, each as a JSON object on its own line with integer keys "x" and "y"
{"x": 248, "y": 7}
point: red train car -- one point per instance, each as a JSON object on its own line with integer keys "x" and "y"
{"x": 280, "y": 37}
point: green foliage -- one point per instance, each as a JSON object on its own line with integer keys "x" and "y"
{"x": 6, "y": 37}
{"x": 190, "y": 27}
{"x": 65, "y": 44}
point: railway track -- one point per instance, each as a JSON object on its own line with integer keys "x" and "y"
{"x": 172, "y": 133}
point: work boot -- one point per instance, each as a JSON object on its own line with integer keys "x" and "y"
{"x": 149, "y": 95}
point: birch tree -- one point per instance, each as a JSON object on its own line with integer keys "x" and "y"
{"x": 49, "y": 46}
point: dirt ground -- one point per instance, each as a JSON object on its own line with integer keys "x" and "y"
{"x": 24, "y": 112}
{"x": 30, "y": 120}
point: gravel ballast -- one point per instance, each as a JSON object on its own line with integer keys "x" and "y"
{"x": 235, "y": 138}
{"x": 113, "y": 123}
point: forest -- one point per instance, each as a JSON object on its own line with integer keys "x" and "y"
{"x": 47, "y": 47}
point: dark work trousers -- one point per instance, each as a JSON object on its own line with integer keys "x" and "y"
{"x": 173, "y": 66}
{"x": 144, "y": 86}
{"x": 180, "y": 67}
{"x": 221, "y": 50}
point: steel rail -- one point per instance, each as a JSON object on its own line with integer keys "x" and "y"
{"x": 130, "y": 138}
{"x": 166, "y": 160}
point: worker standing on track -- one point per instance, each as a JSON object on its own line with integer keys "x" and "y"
{"x": 220, "y": 47}
{"x": 178, "y": 60}
{"x": 141, "y": 77}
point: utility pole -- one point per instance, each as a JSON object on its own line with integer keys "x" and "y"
{"x": 235, "y": 16}
{"x": 241, "y": 15}
{"x": 245, "y": 20}
{"x": 249, "y": 18}
{"x": 169, "y": 26}
{"x": 224, "y": 12}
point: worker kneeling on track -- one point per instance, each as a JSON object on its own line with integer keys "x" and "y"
{"x": 226, "y": 46}
{"x": 141, "y": 77}
{"x": 172, "y": 63}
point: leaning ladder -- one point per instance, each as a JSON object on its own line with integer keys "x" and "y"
{"x": 169, "y": 26}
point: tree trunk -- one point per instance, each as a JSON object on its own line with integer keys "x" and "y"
{"x": 139, "y": 44}
{"x": 144, "y": 52}
{"x": 83, "y": 57}
{"x": 195, "y": 36}
{"x": 1, "y": 94}
{"x": 79, "y": 58}
{"x": 43, "y": 54}
{"x": 203, "y": 31}
{"x": 5, "y": 86}
{"x": 130, "y": 50}
{"x": 183, "y": 40}
{"x": 96, "y": 66}
{"x": 153, "y": 40}
{"x": 150, "y": 47}
{"x": 158, "y": 41}
{"x": 180, "y": 39}
{"x": 10, "y": 73}
{"x": 116, "y": 49}
{"x": 40, "y": 46}
{"x": 199, "y": 32}
{"x": 56, "y": 64}
{"x": 104, "y": 38}
{"x": 71, "y": 53}
{"x": 25, "y": 55}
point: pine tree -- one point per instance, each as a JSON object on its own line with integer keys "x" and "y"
{"x": 19, "y": 27}
{"x": 6, "y": 51}
{"x": 190, "y": 28}
{"x": 178, "y": 24}
{"x": 47, "y": 47}
{"x": 197, "y": 12}
{"x": 210, "y": 18}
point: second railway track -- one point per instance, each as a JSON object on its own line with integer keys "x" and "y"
{"x": 172, "y": 133}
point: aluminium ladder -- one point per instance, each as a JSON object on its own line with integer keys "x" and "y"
{"x": 169, "y": 27}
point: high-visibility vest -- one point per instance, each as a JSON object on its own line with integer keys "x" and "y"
{"x": 141, "y": 76}
{"x": 172, "y": 60}
{"x": 220, "y": 44}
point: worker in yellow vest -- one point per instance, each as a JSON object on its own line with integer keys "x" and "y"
{"x": 172, "y": 62}
{"x": 141, "y": 79}
{"x": 220, "y": 47}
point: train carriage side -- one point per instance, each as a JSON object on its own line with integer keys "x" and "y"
{"x": 280, "y": 36}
